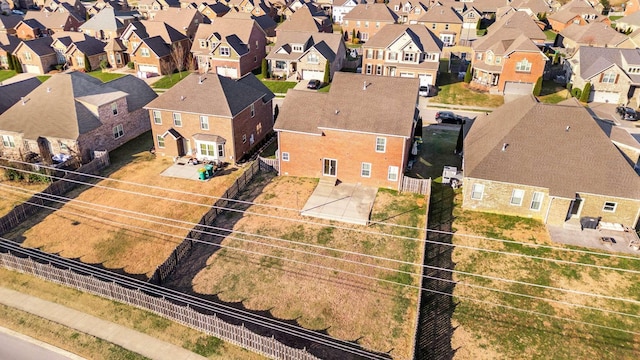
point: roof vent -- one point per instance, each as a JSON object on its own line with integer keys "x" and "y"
{"x": 48, "y": 89}
{"x": 199, "y": 79}
{"x": 181, "y": 98}
{"x": 364, "y": 86}
{"x": 504, "y": 146}
{"x": 23, "y": 100}
{"x": 567, "y": 129}
{"x": 337, "y": 112}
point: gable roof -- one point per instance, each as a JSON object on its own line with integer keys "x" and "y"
{"x": 303, "y": 20}
{"x": 421, "y": 36}
{"x": 114, "y": 44}
{"x": 9, "y": 21}
{"x": 90, "y": 46}
{"x": 235, "y": 32}
{"x": 521, "y": 21}
{"x": 156, "y": 44}
{"x": 569, "y": 11}
{"x": 50, "y": 20}
{"x": 104, "y": 20}
{"x": 441, "y": 14}
{"x": 536, "y": 6}
{"x": 33, "y": 24}
{"x": 266, "y": 23}
{"x": 178, "y": 18}
{"x": 351, "y": 106}
{"x": 8, "y": 42}
{"x": 371, "y": 12}
{"x": 327, "y": 44}
{"x": 40, "y": 46}
{"x": 594, "y": 60}
{"x": 631, "y": 19}
{"x": 593, "y": 34}
{"x": 580, "y": 160}
{"x": 212, "y": 94}
{"x": 10, "y": 94}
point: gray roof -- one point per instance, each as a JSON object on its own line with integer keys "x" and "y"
{"x": 9, "y": 21}
{"x": 236, "y": 32}
{"x": 157, "y": 45}
{"x": 90, "y": 46}
{"x": 61, "y": 107}
{"x": 138, "y": 92}
{"x": 540, "y": 152}
{"x": 104, "y": 20}
{"x": 40, "y": 46}
{"x": 10, "y": 94}
{"x": 212, "y": 94}
{"x": 327, "y": 44}
{"x": 50, "y": 20}
{"x": 619, "y": 135}
{"x": 423, "y": 37}
{"x": 114, "y": 44}
{"x": 593, "y": 34}
{"x": 594, "y": 60}
{"x": 8, "y": 42}
{"x": 349, "y": 106}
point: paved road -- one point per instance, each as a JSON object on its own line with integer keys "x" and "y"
{"x": 20, "y": 347}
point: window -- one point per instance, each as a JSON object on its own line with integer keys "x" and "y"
{"x": 393, "y": 56}
{"x": 392, "y": 174}
{"x": 523, "y": 66}
{"x": 396, "y": 8}
{"x": 446, "y": 26}
{"x": 609, "y": 77}
{"x": 433, "y": 26}
{"x": 477, "y": 191}
{"x": 609, "y": 206}
{"x": 369, "y": 54}
{"x": 281, "y": 65}
{"x": 144, "y": 52}
{"x": 63, "y": 146}
{"x": 378, "y": 69}
{"x": 114, "y": 108}
{"x": 224, "y": 51}
{"x": 410, "y": 57}
{"x": 220, "y": 150}
{"x": 516, "y": 197}
{"x": 364, "y": 36}
{"x": 203, "y": 44}
{"x": 27, "y": 55}
{"x": 257, "y": 44}
{"x": 498, "y": 59}
{"x": 297, "y": 48}
{"x": 80, "y": 60}
{"x": 377, "y": 25}
{"x": 244, "y": 138}
{"x": 365, "y": 170}
{"x": 358, "y": 23}
{"x": 157, "y": 117}
{"x": 368, "y": 70}
{"x": 177, "y": 119}
{"x": 381, "y": 144}
{"x": 7, "y": 141}
{"x": 4, "y": 60}
{"x": 418, "y": 10}
{"x": 536, "y": 201}
{"x": 160, "y": 141}
{"x": 366, "y": 24}
{"x": 380, "y": 54}
{"x": 204, "y": 122}
{"x": 253, "y": 110}
{"x": 313, "y": 58}
{"x": 118, "y": 131}
{"x": 285, "y": 156}
{"x": 479, "y": 56}
{"x": 207, "y": 149}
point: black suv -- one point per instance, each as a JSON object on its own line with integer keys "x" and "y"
{"x": 447, "y": 117}
{"x": 627, "y": 113}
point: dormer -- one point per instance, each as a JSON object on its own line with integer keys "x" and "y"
{"x": 489, "y": 57}
{"x": 297, "y": 48}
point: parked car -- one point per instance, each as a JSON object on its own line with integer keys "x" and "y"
{"x": 423, "y": 91}
{"x": 627, "y": 113}
{"x": 314, "y": 84}
{"x": 447, "y": 117}
{"x": 17, "y": 12}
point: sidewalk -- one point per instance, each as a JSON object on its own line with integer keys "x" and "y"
{"x": 127, "y": 338}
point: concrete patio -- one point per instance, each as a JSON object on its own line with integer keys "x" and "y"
{"x": 183, "y": 170}
{"x": 350, "y": 203}
{"x": 591, "y": 238}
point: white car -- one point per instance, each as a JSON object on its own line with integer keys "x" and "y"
{"x": 423, "y": 91}
{"x": 17, "y": 12}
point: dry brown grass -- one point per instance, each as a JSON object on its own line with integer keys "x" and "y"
{"x": 381, "y": 315}
{"x": 82, "y": 231}
{"x": 118, "y": 313}
{"x": 10, "y": 198}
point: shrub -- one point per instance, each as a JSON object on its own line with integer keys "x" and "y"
{"x": 576, "y": 93}
{"x": 467, "y": 75}
{"x": 585, "y": 93}
{"x": 481, "y": 32}
{"x": 87, "y": 64}
{"x": 264, "y": 69}
{"x": 131, "y": 65}
{"x": 104, "y": 64}
{"x": 537, "y": 88}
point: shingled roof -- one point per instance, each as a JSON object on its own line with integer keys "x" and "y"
{"x": 10, "y": 94}
{"x": 594, "y": 60}
{"x": 559, "y": 147}
{"x": 371, "y": 12}
{"x": 421, "y": 36}
{"x": 594, "y": 34}
{"x": 441, "y": 14}
{"x": 104, "y": 20}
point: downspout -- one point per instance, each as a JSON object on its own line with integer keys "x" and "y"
{"x": 635, "y": 224}
{"x": 402, "y": 164}
{"x": 546, "y": 216}
{"x": 279, "y": 155}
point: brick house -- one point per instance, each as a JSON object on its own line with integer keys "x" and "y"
{"x": 184, "y": 20}
{"x": 346, "y": 134}
{"x": 408, "y": 11}
{"x": 593, "y": 34}
{"x": 76, "y": 114}
{"x": 579, "y": 12}
{"x": 8, "y": 44}
{"x": 211, "y": 117}
{"x": 90, "y": 49}
{"x": 8, "y": 23}
{"x": 212, "y": 11}
{"x": 56, "y": 21}
{"x": 508, "y": 59}
{"x": 36, "y": 56}
{"x": 445, "y": 22}
{"x": 116, "y": 53}
{"x": 229, "y": 47}
{"x": 366, "y": 20}
{"x": 30, "y": 29}
{"x": 403, "y": 51}
{"x": 149, "y": 8}
{"x": 107, "y": 24}
{"x": 548, "y": 162}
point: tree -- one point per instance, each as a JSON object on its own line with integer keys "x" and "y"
{"x": 167, "y": 68}
{"x": 10, "y": 62}
{"x": 418, "y": 130}
{"x": 576, "y": 93}
{"x": 87, "y": 63}
{"x": 17, "y": 64}
{"x": 276, "y": 112}
{"x": 605, "y": 4}
{"x": 585, "y": 93}
{"x": 327, "y": 72}
{"x": 467, "y": 75}
{"x": 265, "y": 69}
{"x": 537, "y": 88}
{"x": 179, "y": 57}
{"x": 104, "y": 64}
{"x": 354, "y": 39}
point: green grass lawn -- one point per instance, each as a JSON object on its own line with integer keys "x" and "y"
{"x": 614, "y": 18}
{"x": 105, "y": 76}
{"x": 5, "y": 74}
{"x": 168, "y": 81}
{"x": 553, "y": 93}
{"x": 279, "y": 87}
{"x": 43, "y": 78}
{"x": 325, "y": 88}
{"x": 551, "y": 35}
{"x": 452, "y": 91}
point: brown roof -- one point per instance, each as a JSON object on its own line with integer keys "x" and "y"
{"x": 422, "y": 36}
{"x": 593, "y": 34}
{"x": 371, "y": 12}
{"x": 178, "y": 18}
{"x": 51, "y": 20}
{"x": 540, "y": 151}
{"x": 619, "y": 135}
{"x": 302, "y": 20}
{"x": 355, "y": 102}
{"x": 441, "y": 14}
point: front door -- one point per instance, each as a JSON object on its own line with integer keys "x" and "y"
{"x": 574, "y": 208}
{"x": 330, "y": 167}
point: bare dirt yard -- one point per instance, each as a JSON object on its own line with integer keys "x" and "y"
{"x": 94, "y": 228}
{"x": 317, "y": 274}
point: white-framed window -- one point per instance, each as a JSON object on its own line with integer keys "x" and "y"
{"x": 27, "y": 55}
{"x": 224, "y": 51}
{"x": 244, "y": 138}
{"x": 396, "y": 8}
{"x": 516, "y": 197}
{"x": 313, "y": 58}
{"x": 393, "y": 56}
{"x": 489, "y": 57}
{"x": 478, "y": 56}
{"x": 477, "y": 191}
{"x": 433, "y": 26}
{"x": 536, "y": 201}
{"x": 357, "y": 23}
{"x": 498, "y": 59}
{"x": 418, "y": 10}
{"x": 378, "y": 69}
{"x": 114, "y": 108}
{"x": 207, "y": 149}
{"x": 157, "y": 117}
{"x": 609, "y": 77}
{"x": 80, "y": 60}
{"x": 377, "y": 24}
{"x": 297, "y": 48}
{"x": 118, "y": 131}
{"x": 203, "y": 44}
{"x": 381, "y": 144}
{"x": 177, "y": 119}
{"x": 145, "y": 52}
{"x": 365, "y": 170}
{"x": 369, "y": 54}
{"x": 220, "y": 150}
{"x": 523, "y": 66}
{"x": 366, "y": 24}
{"x": 204, "y": 122}
{"x": 281, "y": 65}
{"x": 609, "y": 206}
{"x": 392, "y": 174}
{"x": 410, "y": 57}
{"x": 285, "y": 156}
{"x": 380, "y": 54}
{"x": 253, "y": 110}
{"x": 7, "y": 141}
{"x": 368, "y": 69}
{"x": 364, "y": 36}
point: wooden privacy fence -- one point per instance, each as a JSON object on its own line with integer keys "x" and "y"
{"x": 422, "y": 269}
{"x": 418, "y": 186}
{"x": 209, "y": 324}
{"x": 59, "y": 187}
{"x": 182, "y": 250}
{"x": 268, "y": 164}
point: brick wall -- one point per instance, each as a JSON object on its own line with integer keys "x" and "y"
{"x": 509, "y": 72}
{"x": 349, "y": 25}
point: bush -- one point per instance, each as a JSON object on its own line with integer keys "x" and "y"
{"x": 131, "y": 65}
{"x": 104, "y": 64}
{"x": 467, "y": 75}
{"x": 481, "y": 32}
{"x": 537, "y": 88}
{"x": 585, "y": 93}
{"x": 576, "y": 93}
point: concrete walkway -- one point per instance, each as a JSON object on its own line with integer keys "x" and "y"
{"x": 117, "y": 334}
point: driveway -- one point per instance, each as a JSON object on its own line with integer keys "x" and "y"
{"x": 18, "y": 77}
{"x": 608, "y": 112}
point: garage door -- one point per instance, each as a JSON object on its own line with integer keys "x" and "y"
{"x": 605, "y": 97}
{"x": 148, "y": 69}
{"x": 32, "y": 69}
{"x": 518, "y": 88}
{"x": 227, "y": 71}
{"x": 312, "y": 75}
{"x": 407, "y": 75}
{"x": 426, "y": 79}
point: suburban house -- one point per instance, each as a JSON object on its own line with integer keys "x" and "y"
{"x": 212, "y": 117}
{"x": 631, "y": 6}
{"x": 10, "y": 94}
{"x": 339, "y": 10}
{"x": 629, "y": 23}
{"x": 508, "y": 60}
{"x": 90, "y": 49}
{"x": 116, "y": 53}
{"x": 614, "y": 74}
{"x": 624, "y": 141}
{"x": 212, "y": 11}
{"x": 107, "y": 24}
{"x": 149, "y": 8}
{"x": 30, "y": 29}
{"x": 593, "y": 34}
{"x": 403, "y": 51}
{"x": 578, "y": 12}
{"x": 577, "y": 170}
{"x": 8, "y": 44}
{"x": 75, "y": 114}
{"x": 346, "y": 135}
{"x": 74, "y": 7}
{"x": 306, "y": 19}
{"x": 365, "y": 20}
{"x": 531, "y": 7}
{"x": 5, "y": 7}
{"x": 445, "y": 22}
{"x": 229, "y": 47}
{"x": 407, "y": 11}
{"x": 185, "y": 20}
{"x": 303, "y": 56}
{"x": 36, "y": 56}
{"x": 149, "y": 46}
{"x": 8, "y": 23}
{"x": 56, "y": 21}
{"x": 117, "y": 5}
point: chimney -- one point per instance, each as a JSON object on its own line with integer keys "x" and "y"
{"x": 364, "y": 86}
{"x": 504, "y": 146}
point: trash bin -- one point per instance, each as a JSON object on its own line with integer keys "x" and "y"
{"x": 209, "y": 169}
{"x": 202, "y": 173}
